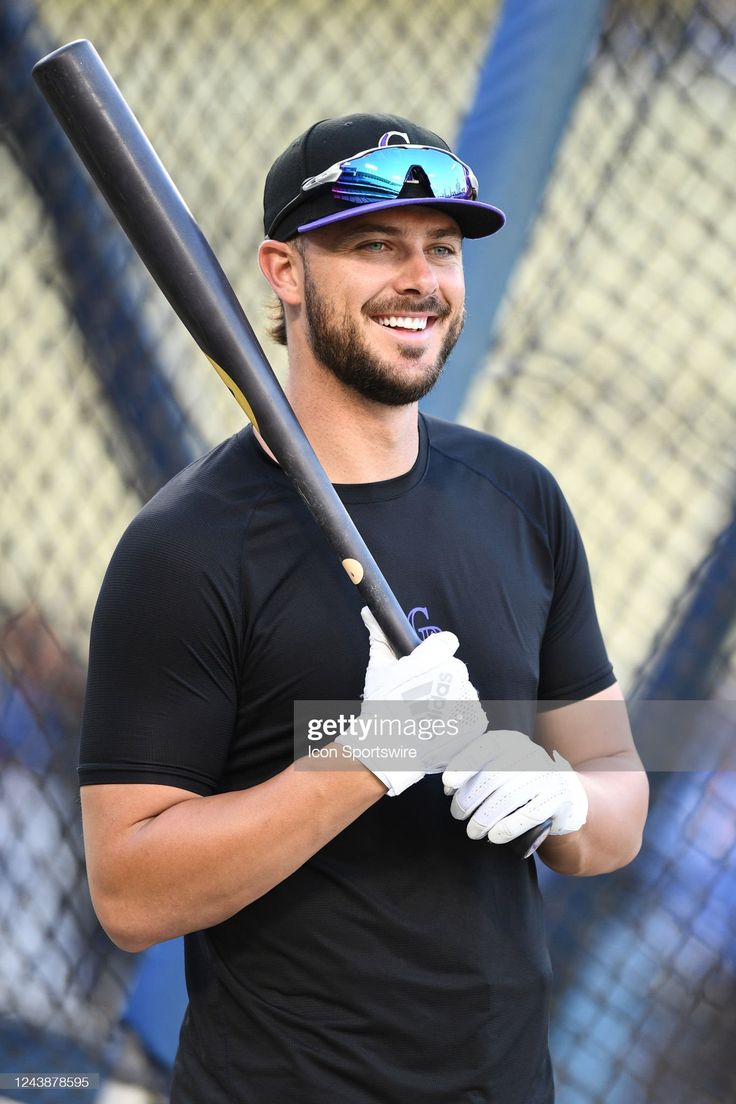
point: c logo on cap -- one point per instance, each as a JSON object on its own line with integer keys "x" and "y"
{"x": 386, "y": 138}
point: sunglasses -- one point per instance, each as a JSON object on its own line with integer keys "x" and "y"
{"x": 382, "y": 173}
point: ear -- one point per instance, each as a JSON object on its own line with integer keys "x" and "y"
{"x": 281, "y": 265}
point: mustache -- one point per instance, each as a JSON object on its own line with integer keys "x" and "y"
{"x": 429, "y": 305}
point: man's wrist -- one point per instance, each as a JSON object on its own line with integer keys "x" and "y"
{"x": 354, "y": 772}
{"x": 394, "y": 781}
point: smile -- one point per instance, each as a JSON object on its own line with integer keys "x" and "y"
{"x": 404, "y": 322}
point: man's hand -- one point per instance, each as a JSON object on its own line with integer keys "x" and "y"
{"x": 432, "y": 674}
{"x": 519, "y": 786}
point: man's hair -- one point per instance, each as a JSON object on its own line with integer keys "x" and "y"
{"x": 276, "y": 327}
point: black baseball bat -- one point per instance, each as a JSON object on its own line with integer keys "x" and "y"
{"x": 122, "y": 162}
{"x": 153, "y": 214}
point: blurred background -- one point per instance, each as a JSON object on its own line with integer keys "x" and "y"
{"x": 600, "y": 338}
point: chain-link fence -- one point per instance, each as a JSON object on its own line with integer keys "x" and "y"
{"x": 611, "y": 363}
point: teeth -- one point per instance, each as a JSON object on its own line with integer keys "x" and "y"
{"x": 403, "y": 323}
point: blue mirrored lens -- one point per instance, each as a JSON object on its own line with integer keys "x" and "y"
{"x": 382, "y": 173}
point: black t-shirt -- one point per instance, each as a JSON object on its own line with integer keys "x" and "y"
{"x": 403, "y": 961}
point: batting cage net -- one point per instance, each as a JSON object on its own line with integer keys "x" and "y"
{"x": 611, "y": 362}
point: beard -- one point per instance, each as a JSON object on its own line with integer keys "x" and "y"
{"x": 338, "y": 344}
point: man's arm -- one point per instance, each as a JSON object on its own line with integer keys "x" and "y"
{"x": 163, "y": 861}
{"x": 595, "y": 737}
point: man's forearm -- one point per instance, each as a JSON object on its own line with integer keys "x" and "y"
{"x": 203, "y": 859}
{"x": 618, "y": 794}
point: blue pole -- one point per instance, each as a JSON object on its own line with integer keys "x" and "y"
{"x": 527, "y": 87}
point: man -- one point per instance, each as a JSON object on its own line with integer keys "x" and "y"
{"x": 346, "y": 940}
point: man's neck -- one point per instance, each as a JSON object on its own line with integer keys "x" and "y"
{"x": 356, "y": 440}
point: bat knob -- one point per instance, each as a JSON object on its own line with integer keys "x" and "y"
{"x": 526, "y": 844}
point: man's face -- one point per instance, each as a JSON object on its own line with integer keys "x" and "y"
{"x": 383, "y": 299}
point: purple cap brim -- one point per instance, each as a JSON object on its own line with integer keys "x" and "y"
{"x": 481, "y": 219}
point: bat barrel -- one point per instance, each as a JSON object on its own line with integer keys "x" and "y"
{"x": 122, "y": 162}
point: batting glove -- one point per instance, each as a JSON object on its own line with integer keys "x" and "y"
{"x": 431, "y": 674}
{"x": 520, "y": 786}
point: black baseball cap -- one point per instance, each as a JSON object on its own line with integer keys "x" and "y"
{"x": 288, "y": 212}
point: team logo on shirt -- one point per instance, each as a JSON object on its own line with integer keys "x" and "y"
{"x": 423, "y": 630}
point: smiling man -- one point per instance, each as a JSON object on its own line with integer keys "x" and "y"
{"x": 362, "y": 935}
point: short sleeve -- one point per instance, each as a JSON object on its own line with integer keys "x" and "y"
{"x": 573, "y": 660}
{"x": 162, "y": 686}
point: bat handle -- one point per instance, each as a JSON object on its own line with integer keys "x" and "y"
{"x": 526, "y": 844}
{"x": 388, "y": 613}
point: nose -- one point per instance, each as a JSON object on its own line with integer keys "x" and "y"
{"x": 416, "y": 276}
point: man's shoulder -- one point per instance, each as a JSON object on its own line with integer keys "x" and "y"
{"x": 509, "y": 468}
{"x": 206, "y": 504}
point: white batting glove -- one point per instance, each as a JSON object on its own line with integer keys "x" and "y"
{"x": 519, "y": 787}
{"x": 432, "y": 674}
